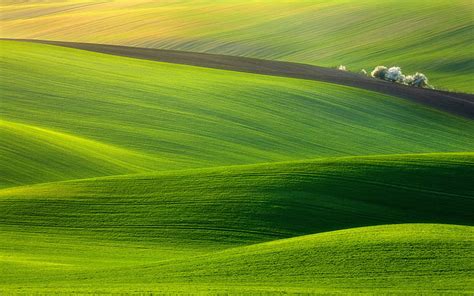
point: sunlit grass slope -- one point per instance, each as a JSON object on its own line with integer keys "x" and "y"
{"x": 434, "y": 37}
{"x": 70, "y": 101}
{"x": 402, "y": 259}
{"x": 34, "y": 155}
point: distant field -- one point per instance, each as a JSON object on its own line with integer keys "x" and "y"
{"x": 74, "y": 114}
{"x": 434, "y": 37}
{"x": 461, "y": 104}
{"x": 204, "y": 230}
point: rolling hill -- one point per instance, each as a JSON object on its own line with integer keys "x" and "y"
{"x": 270, "y": 200}
{"x": 434, "y": 37}
{"x": 205, "y": 227}
{"x": 185, "y": 117}
{"x": 396, "y": 259}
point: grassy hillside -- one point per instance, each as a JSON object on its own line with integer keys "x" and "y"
{"x": 434, "y": 37}
{"x": 254, "y": 203}
{"x": 34, "y": 155}
{"x": 202, "y": 229}
{"x": 403, "y": 259}
{"x": 249, "y": 204}
{"x": 398, "y": 259}
{"x": 87, "y": 114}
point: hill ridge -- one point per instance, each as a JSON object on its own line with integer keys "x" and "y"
{"x": 225, "y": 168}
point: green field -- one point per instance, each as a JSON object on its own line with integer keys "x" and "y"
{"x": 433, "y": 37}
{"x": 121, "y": 175}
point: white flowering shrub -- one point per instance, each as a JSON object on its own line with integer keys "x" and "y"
{"x": 379, "y": 72}
{"x": 394, "y": 74}
{"x": 420, "y": 80}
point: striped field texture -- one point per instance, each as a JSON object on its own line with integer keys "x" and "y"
{"x": 434, "y": 37}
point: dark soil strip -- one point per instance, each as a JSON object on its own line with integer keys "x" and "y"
{"x": 456, "y": 103}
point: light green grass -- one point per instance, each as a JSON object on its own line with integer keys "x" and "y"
{"x": 35, "y": 155}
{"x": 61, "y": 105}
{"x": 434, "y": 37}
{"x": 398, "y": 259}
{"x": 193, "y": 229}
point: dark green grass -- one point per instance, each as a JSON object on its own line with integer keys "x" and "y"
{"x": 85, "y": 115}
{"x": 249, "y": 204}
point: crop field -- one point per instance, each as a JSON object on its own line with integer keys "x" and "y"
{"x": 434, "y": 37}
{"x": 131, "y": 171}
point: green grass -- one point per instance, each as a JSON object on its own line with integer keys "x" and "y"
{"x": 400, "y": 259}
{"x": 434, "y": 37}
{"x": 75, "y": 109}
{"x": 204, "y": 228}
{"x": 35, "y": 155}
{"x": 249, "y": 204}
